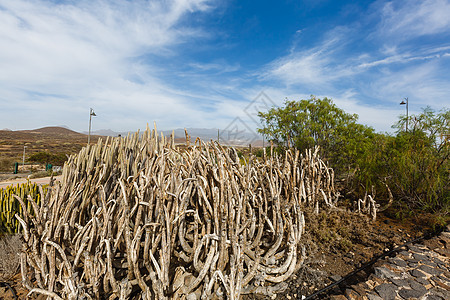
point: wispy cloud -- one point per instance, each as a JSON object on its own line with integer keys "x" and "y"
{"x": 90, "y": 50}
{"x": 217, "y": 67}
{"x": 412, "y": 18}
{"x": 315, "y": 66}
{"x": 387, "y": 70}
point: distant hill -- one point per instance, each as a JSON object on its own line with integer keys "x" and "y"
{"x": 53, "y": 130}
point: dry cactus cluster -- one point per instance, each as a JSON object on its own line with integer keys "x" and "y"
{"x": 135, "y": 218}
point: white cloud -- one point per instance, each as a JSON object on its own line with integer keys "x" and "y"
{"x": 422, "y": 83}
{"x": 218, "y": 67}
{"x": 316, "y": 66}
{"x": 412, "y": 18}
{"x": 64, "y": 57}
{"x": 384, "y": 72}
{"x": 307, "y": 68}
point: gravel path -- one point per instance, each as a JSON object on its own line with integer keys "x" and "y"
{"x": 43, "y": 180}
{"x": 421, "y": 271}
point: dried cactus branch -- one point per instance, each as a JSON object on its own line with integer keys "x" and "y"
{"x": 137, "y": 218}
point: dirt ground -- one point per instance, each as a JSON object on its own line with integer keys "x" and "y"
{"x": 336, "y": 244}
{"x": 20, "y": 180}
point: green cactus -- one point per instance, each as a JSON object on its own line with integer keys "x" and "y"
{"x": 9, "y": 206}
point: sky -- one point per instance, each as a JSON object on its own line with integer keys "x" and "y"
{"x": 214, "y": 64}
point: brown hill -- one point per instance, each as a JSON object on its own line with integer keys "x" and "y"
{"x": 50, "y": 139}
{"x": 54, "y": 130}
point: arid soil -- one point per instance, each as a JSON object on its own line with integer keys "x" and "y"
{"x": 336, "y": 242}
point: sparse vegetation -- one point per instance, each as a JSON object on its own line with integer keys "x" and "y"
{"x": 45, "y": 158}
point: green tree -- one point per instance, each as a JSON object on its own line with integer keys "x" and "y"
{"x": 306, "y": 123}
{"x": 413, "y": 163}
{"x": 420, "y": 160}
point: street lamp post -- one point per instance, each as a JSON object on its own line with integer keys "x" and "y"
{"x": 23, "y": 159}
{"x": 403, "y": 103}
{"x": 91, "y": 114}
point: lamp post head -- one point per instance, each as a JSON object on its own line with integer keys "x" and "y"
{"x": 92, "y": 113}
{"x": 402, "y": 103}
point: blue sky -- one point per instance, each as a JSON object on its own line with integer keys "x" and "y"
{"x": 199, "y": 63}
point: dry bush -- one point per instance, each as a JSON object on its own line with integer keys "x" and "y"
{"x": 136, "y": 218}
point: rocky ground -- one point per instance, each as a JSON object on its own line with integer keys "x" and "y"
{"x": 337, "y": 243}
{"x": 340, "y": 243}
{"x": 418, "y": 271}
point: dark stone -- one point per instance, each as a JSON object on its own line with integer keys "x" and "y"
{"x": 413, "y": 264}
{"x": 443, "y": 294}
{"x": 438, "y": 261}
{"x": 397, "y": 261}
{"x": 417, "y": 273}
{"x": 422, "y": 281}
{"x": 429, "y": 270}
{"x": 404, "y": 253}
{"x": 410, "y": 293}
{"x": 417, "y": 287}
{"x": 386, "y": 291}
{"x": 434, "y": 297}
{"x": 420, "y": 256}
{"x": 400, "y": 282}
{"x": 414, "y": 260}
{"x": 373, "y": 297}
{"x": 429, "y": 263}
{"x": 385, "y": 273}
